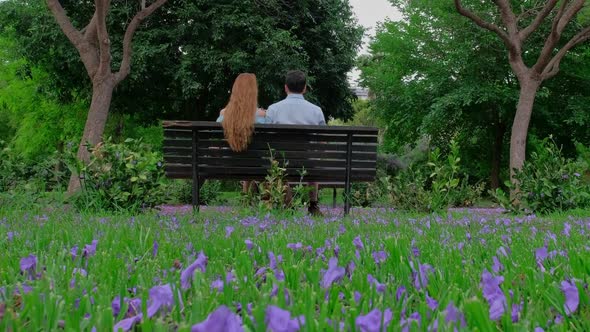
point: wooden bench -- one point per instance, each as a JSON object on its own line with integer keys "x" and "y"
{"x": 335, "y": 156}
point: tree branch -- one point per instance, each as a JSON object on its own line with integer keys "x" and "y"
{"x": 541, "y": 16}
{"x": 127, "y": 40}
{"x": 563, "y": 17}
{"x": 65, "y": 24}
{"x": 508, "y": 17}
{"x": 102, "y": 8}
{"x": 553, "y": 67}
{"x": 479, "y": 21}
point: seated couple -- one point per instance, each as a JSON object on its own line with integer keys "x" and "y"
{"x": 242, "y": 112}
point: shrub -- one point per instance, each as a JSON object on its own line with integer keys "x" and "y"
{"x": 124, "y": 176}
{"x": 548, "y": 182}
{"x": 181, "y": 192}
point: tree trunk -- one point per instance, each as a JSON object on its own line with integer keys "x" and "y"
{"x": 520, "y": 126}
{"x": 497, "y": 148}
{"x": 102, "y": 94}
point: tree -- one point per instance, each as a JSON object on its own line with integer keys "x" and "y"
{"x": 514, "y": 33}
{"x": 94, "y": 47}
{"x": 431, "y": 76}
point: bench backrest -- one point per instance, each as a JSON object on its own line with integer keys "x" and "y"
{"x": 326, "y": 153}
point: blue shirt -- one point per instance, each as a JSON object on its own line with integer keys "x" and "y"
{"x": 259, "y": 119}
{"x": 295, "y": 110}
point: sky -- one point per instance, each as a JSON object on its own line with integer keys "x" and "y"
{"x": 369, "y": 13}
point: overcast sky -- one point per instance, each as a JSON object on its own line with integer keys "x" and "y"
{"x": 369, "y": 14}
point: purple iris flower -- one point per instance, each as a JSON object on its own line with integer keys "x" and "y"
{"x": 155, "y": 248}
{"x": 28, "y": 265}
{"x": 10, "y": 236}
{"x": 567, "y": 229}
{"x": 186, "y": 276}
{"x": 133, "y": 306}
{"x": 407, "y": 323}
{"x": 279, "y": 320}
{"x": 493, "y": 294}
{"x": 357, "y": 297}
{"x": 453, "y": 315}
{"x": 218, "y": 285}
{"x": 420, "y": 276}
{"x": 249, "y": 244}
{"x": 432, "y": 303}
{"x": 572, "y": 296}
{"x": 374, "y": 321}
{"x": 161, "y": 300}
{"x": 515, "y": 312}
{"x": 401, "y": 290}
{"x": 221, "y": 320}
{"x": 228, "y": 231}
{"x": 497, "y": 266}
{"x": 127, "y": 324}
{"x": 358, "y": 243}
{"x": 378, "y": 286}
{"x": 295, "y": 246}
{"x": 334, "y": 274}
{"x": 90, "y": 249}
{"x": 379, "y": 257}
{"x": 74, "y": 252}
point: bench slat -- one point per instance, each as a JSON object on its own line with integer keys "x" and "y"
{"x": 205, "y": 125}
{"x": 206, "y": 153}
{"x": 279, "y": 146}
{"x": 259, "y": 172}
{"x": 250, "y": 162}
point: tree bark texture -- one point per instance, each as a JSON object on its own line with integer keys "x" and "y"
{"x": 559, "y": 14}
{"x": 94, "y": 47}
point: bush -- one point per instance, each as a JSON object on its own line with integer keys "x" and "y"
{"x": 181, "y": 192}
{"x": 548, "y": 182}
{"x": 36, "y": 175}
{"x": 124, "y": 176}
{"x": 433, "y": 184}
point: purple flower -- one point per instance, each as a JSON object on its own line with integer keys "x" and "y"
{"x": 10, "y": 236}
{"x": 374, "y": 321}
{"x": 572, "y": 296}
{"x": 90, "y": 249}
{"x": 230, "y": 277}
{"x": 295, "y": 246}
{"x": 539, "y": 329}
{"x": 452, "y": 315}
{"x": 502, "y": 252}
{"x": 358, "y": 243}
{"x": 432, "y": 303}
{"x": 74, "y": 252}
{"x": 186, "y": 276}
{"x": 279, "y": 320}
{"x": 228, "y": 231}
{"x": 127, "y": 324}
{"x": 421, "y": 276}
{"x": 28, "y": 265}
{"x": 221, "y": 320}
{"x": 401, "y": 290}
{"x": 334, "y": 273}
{"x": 406, "y": 323}
{"x": 161, "y": 300}
{"x": 249, "y": 244}
{"x": 357, "y": 297}
{"x": 516, "y": 309}
{"x": 567, "y": 229}
{"x": 218, "y": 285}
{"x": 497, "y": 267}
{"x": 133, "y": 306}
{"x": 541, "y": 255}
{"x": 378, "y": 286}
{"x": 379, "y": 257}
{"x": 155, "y": 248}
{"x": 350, "y": 269}
{"x": 493, "y": 294}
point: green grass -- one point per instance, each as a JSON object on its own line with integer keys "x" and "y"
{"x": 124, "y": 261}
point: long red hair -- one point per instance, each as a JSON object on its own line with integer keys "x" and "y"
{"x": 240, "y": 113}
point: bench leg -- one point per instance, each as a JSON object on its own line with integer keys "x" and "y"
{"x": 334, "y": 196}
{"x": 196, "y": 193}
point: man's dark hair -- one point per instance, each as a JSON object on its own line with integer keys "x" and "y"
{"x": 296, "y": 81}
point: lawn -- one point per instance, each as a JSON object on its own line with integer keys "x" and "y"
{"x": 65, "y": 271}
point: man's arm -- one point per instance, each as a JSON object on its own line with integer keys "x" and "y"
{"x": 321, "y": 118}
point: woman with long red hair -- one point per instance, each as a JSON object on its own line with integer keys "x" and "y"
{"x": 241, "y": 113}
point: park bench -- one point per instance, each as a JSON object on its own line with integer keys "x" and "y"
{"x": 334, "y": 156}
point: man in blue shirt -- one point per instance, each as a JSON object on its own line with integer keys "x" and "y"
{"x": 297, "y": 111}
